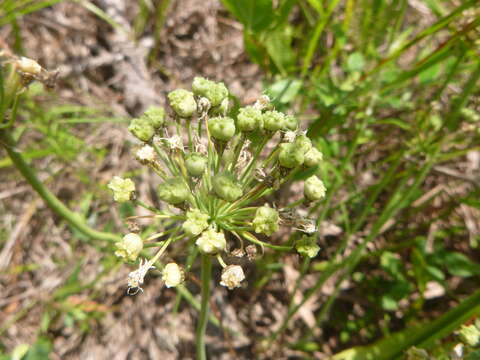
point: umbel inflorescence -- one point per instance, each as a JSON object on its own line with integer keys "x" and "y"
{"x": 217, "y": 169}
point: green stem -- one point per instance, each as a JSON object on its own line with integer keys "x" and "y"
{"x": 51, "y": 200}
{"x": 204, "y": 310}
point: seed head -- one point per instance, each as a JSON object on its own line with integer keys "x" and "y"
{"x": 142, "y": 129}
{"x": 226, "y": 187}
{"x": 221, "y": 128}
{"x": 314, "y": 189}
{"x": 249, "y": 118}
{"x": 182, "y": 102}
{"x": 266, "y": 220}
{"x": 214, "y": 92}
{"x": 290, "y": 155}
{"x": 313, "y": 157}
{"x": 173, "y": 191}
{"x": 196, "y": 222}
{"x": 196, "y": 164}
{"x": 274, "y": 120}
{"x": 307, "y": 246}
{"x": 211, "y": 242}
{"x": 156, "y": 116}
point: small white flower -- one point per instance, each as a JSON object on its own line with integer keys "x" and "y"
{"x": 173, "y": 275}
{"x": 135, "y": 278}
{"x": 146, "y": 154}
{"x": 262, "y": 103}
{"x": 232, "y": 276}
{"x": 175, "y": 142}
{"x": 129, "y": 247}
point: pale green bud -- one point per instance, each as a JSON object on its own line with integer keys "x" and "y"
{"x": 196, "y": 164}
{"x": 313, "y": 157}
{"x": 173, "y": 191}
{"x": 182, "y": 102}
{"x": 122, "y": 189}
{"x": 232, "y": 276}
{"x": 249, "y": 118}
{"x": 156, "y": 116}
{"x": 470, "y": 335}
{"x": 173, "y": 275}
{"x": 273, "y": 120}
{"x": 290, "y": 156}
{"x": 196, "y": 222}
{"x": 211, "y": 242}
{"x": 130, "y": 247}
{"x": 142, "y": 129}
{"x": 314, "y": 189}
{"x": 291, "y": 123}
{"x": 226, "y": 187}
{"x": 303, "y": 142}
{"x": 307, "y": 246}
{"x": 266, "y": 220}
{"x": 214, "y": 92}
{"x": 221, "y": 128}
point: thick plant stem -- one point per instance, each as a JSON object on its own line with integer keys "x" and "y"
{"x": 52, "y": 201}
{"x": 204, "y": 310}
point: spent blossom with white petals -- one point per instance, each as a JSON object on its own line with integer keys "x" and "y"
{"x": 232, "y": 276}
{"x": 136, "y": 278}
{"x": 146, "y": 154}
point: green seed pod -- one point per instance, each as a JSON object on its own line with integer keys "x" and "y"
{"x": 313, "y": 157}
{"x": 303, "y": 142}
{"x": 211, "y": 242}
{"x": 196, "y": 222}
{"x": 196, "y": 164}
{"x": 266, "y": 220}
{"x": 221, "y": 128}
{"x": 307, "y": 246}
{"x": 173, "y": 191}
{"x": 274, "y": 120}
{"x": 156, "y": 116}
{"x": 214, "y": 92}
{"x": 129, "y": 247}
{"x": 182, "y": 102}
{"x": 249, "y": 118}
{"x": 290, "y": 156}
{"x": 314, "y": 189}
{"x": 291, "y": 123}
{"x": 470, "y": 335}
{"x": 142, "y": 129}
{"x": 226, "y": 187}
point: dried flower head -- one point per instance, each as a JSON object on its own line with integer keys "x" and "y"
{"x": 232, "y": 276}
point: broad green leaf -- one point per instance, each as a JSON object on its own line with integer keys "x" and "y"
{"x": 255, "y": 15}
{"x": 355, "y": 62}
{"x": 284, "y": 91}
{"x": 458, "y": 264}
